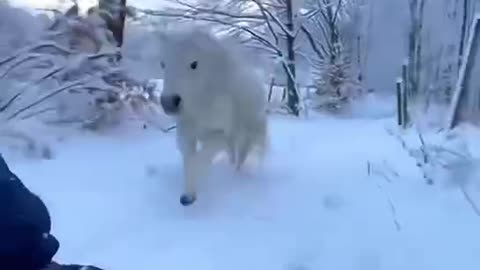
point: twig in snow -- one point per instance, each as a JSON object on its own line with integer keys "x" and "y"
{"x": 470, "y": 201}
{"x": 392, "y": 208}
{"x": 435, "y": 157}
{"x": 371, "y": 170}
{"x": 394, "y": 214}
{"x": 421, "y": 156}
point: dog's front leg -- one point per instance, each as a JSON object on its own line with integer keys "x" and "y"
{"x": 245, "y": 144}
{"x": 198, "y": 165}
{"x": 190, "y": 193}
{"x": 187, "y": 145}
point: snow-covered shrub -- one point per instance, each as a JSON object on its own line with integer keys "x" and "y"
{"x": 336, "y": 87}
{"x": 79, "y": 76}
{"x": 337, "y": 66}
{"x": 64, "y": 69}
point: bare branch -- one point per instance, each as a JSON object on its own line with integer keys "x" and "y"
{"x": 253, "y": 33}
{"x": 19, "y": 62}
{"x": 339, "y": 6}
{"x": 267, "y": 20}
{"x": 470, "y": 201}
{"x": 312, "y": 43}
{"x": 198, "y": 10}
{"x": 274, "y": 18}
{"x": 56, "y": 92}
{"x": 9, "y": 102}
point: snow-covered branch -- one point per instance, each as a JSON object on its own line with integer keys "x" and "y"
{"x": 267, "y": 13}
{"x": 257, "y": 36}
{"x": 196, "y": 9}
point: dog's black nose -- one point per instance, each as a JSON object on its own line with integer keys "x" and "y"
{"x": 188, "y": 199}
{"x": 171, "y": 103}
{"x": 176, "y": 101}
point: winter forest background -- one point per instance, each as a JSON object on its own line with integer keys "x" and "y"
{"x": 341, "y": 50}
{"x": 382, "y": 87}
{"x": 321, "y": 54}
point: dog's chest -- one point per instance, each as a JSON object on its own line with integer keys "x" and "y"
{"x": 204, "y": 128}
{"x": 218, "y": 117}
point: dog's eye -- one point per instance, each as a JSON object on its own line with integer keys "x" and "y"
{"x": 162, "y": 64}
{"x": 193, "y": 65}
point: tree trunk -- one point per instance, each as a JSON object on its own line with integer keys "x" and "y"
{"x": 359, "y": 59}
{"x": 121, "y": 23}
{"x": 411, "y": 60}
{"x": 463, "y": 33}
{"x": 418, "y": 49}
{"x": 116, "y": 23}
{"x": 293, "y": 98}
{"x": 414, "y": 46}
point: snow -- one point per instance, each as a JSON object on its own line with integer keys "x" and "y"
{"x": 114, "y": 200}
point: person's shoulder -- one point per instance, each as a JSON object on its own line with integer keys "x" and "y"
{"x": 9, "y": 187}
{"x": 5, "y": 173}
{"x": 18, "y": 203}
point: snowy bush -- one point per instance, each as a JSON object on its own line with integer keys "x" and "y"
{"x": 78, "y": 76}
{"x": 66, "y": 70}
{"x": 336, "y": 88}
{"x": 337, "y": 69}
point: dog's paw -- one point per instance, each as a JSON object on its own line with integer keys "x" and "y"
{"x": 188, "y": 199}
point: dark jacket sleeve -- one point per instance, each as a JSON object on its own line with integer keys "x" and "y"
{"x": 56, "y": 266}
{"x": 25, "y": 224}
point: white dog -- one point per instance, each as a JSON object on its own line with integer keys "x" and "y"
{"x": 218, "y": 102}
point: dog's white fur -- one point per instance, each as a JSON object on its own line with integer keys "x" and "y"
{"x": 223, "y": 102}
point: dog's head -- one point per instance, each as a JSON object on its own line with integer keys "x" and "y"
{"x": 194, "y": 62}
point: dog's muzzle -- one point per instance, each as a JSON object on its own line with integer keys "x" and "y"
{"x": 171, "y": 103}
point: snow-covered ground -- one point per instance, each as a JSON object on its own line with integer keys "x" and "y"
{"x": 114, "y": 199}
